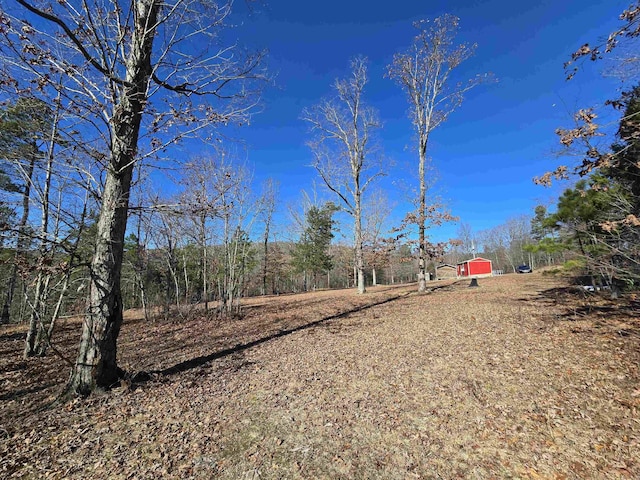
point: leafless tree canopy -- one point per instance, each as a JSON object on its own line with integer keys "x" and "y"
{"x": 424, "y": 72}
{"x": 343, "y": 148}
{"x": 93, "y": 44}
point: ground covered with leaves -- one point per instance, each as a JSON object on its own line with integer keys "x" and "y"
{"x": 523, "y": 377}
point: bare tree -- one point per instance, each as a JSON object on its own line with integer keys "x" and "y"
{"x": 343, "y": 149}
{"x": 267, "y": 209}
{"x": 468, "y": 243}
{"x": 495, "y": 241}
{"x": 200, "y": 203}
{"x": 167, "y": 234}
{"x": 127, "y": 60}
{"x": 137, "y": 254}
{"x": 235, "y": 215}
{"x": 39, "y": 300}
{"x": 424, "y": 72}
{"x": 31, "y": 142}
{"x": 506, "y": 242}
{"x": 377, "y": 210}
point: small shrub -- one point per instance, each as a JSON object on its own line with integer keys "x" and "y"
{"x": 573, "y": 266}
{"x": 552, "y": 272}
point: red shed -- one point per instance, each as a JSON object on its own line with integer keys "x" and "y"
{"x": 476, "y": 267}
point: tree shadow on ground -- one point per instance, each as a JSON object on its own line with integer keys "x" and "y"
{"x": 307, "y": 303}
{"x": 619, "y": 316}
{"x": 193, "y": 363}
{"x": 26, "y": 391}
{"x": 12, "y": 336}
{"x": 448, "y": 286}
{"x": 560, "y": 296}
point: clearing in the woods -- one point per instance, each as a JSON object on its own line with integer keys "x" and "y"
{"x": 523, "y": 377}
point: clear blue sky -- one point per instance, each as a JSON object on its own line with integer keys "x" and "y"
{"x": 491, "y": 147}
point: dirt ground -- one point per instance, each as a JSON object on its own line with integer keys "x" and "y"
{"x": 523, "y": 377}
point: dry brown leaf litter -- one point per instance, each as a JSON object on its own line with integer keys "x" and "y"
{"x": 523, "y": 377}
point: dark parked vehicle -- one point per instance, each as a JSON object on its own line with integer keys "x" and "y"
{"x": 524, "y": 269}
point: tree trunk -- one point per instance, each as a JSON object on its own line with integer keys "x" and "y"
{"x": 173, "y": 270}
{"x": 373, "y": 274}
{"x": 57, "y": 308}
{"x": 143, "y": 297}
{"x": 266, "y": 256}
{"x": 139, "y": 269}
{"x": 96, "y": 365}
{"x": 205, "y": 280}
{"x": 43, "y": 338}
{"x": 186, "y": 279}
{"x": 358, "y": 241}
{"x": 422, "y": 254}
{"x": 171, "y": 281}
{"x": 355, "y": 273}
{"x": 361, "y": 286}
{"x": 35, "y": 320}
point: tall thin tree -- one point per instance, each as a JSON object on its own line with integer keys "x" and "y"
{"x": 424, "y": 72}
{"x": 267, "y": 210}
{"x": 343, "y": 149}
